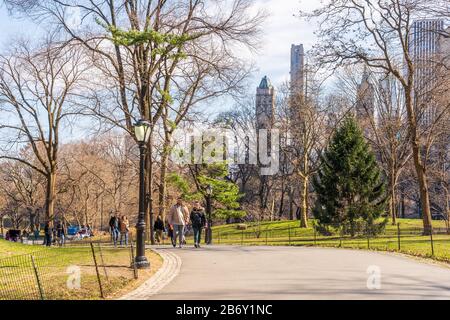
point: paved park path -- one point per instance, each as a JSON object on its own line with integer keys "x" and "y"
{"x": 270, "y": 273}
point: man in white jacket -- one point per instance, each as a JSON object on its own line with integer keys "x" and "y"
{"x": 178, "y": 217}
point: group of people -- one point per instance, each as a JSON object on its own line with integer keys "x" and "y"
{"x": 178, "y": 219}
{"x": 53, "y": 235}
{"x": 119, "y": 228}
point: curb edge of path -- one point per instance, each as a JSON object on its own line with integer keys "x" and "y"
{"x": 169, "y": 270}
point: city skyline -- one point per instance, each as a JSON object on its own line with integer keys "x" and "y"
{"x": 273, "y": 57}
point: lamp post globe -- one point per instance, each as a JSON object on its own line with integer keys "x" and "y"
{"x": 142, "y": 131}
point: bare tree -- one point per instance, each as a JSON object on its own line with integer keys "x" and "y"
{"x": 305, "y": 123}
{"x": 241, "y": 122}
{"x": 94, "y": 171}
{"x": 22, "y": 192}
{"x": 37, "y": 86}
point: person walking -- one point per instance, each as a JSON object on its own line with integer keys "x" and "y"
{"x": 61, "y": 233}
{"x": 114, "y": 228}
{"x": 178, "y": 217}
{"x": 198, "y": 222}
{"x": 124, "y": 229}
{"x": 36, "y": 232}
{"x": 159, "y": 229}
{"x": 48, "y": 232}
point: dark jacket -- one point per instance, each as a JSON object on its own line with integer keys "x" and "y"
{"x": 159, "y": 224}
{"x": 198, "y": 219}
{"x": 114, "y": 222}
{"x": 48, "y": 230}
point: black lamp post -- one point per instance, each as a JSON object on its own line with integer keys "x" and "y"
{"x": 209, "y": 192}
{"x": 142, "y": 133}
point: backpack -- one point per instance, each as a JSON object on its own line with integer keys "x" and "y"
{"x": 196, "y": 218}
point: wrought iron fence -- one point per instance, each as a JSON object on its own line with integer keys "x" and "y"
{"x": 78, "y": 271}
{"x": 401, "y": 238}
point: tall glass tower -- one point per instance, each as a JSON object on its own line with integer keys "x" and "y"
{"x": 425, "y": 50}
{"x": 297, "y": 68}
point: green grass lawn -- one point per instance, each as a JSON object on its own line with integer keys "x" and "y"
{"x": 55, "y": 267}
{"x": 288, "y": 233}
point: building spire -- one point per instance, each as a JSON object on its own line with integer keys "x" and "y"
{"x": 265, "y": 83}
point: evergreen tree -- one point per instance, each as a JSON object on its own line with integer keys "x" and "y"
{"x": 350, "y": 190}
{"x": 225, "y": 195}
{"x": 212, "y": 171}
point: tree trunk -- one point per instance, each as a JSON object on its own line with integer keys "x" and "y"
{"x": 162, "y": 180}
{"x": 291, "y": 205}
{"x": 281, "y": 208}
{"x": 403, "y": 206}
{"x": 50, "y": 196}
{"x": 304, "y": 211}
{"x": 149, "y": 197}
{"x": 418, "y": 164}
{"x": 447, "y": 210}
{"x": 392, "y": 202}
{"x": 86, "y": 218}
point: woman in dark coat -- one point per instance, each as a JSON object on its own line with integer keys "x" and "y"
{"x": 159, "y": 229}
{"x": 198, "y": 221}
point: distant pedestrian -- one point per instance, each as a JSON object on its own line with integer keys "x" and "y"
{"x": 178, "y": 217}
{"x": 159, "y": 229}
{"x": 198, "y": 221}
{"x": 48, "y": 232}
{"x": 114, "y": 228}
{"x": 124, "y": 229}
{"x": 53, "y": 235}
{"x": 61, "y": 233}
{"x": 36, "y": 232}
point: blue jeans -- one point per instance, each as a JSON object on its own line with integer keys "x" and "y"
{"x": 115, "y": 235}
{"x": 124, "y": 235}
{"x": 178, "y": 231}
{"x": 48, "y": 240}
{"x": 62, "y": 239}
{"x": 197, "y": 234}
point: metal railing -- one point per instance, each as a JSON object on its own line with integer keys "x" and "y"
{"x": 399, "y": 238}
{"x": 78, "y": 271}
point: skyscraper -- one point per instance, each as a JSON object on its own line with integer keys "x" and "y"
{"x": 265, "y": 104}
{"x": 297, "y": 68}
{"x": 365, "y": 104}
{"x": 265, "y": 117}
{"x": 424, "y": 39}
{"x": 425, "y": 50}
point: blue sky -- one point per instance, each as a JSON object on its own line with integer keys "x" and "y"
{"x": 10, "y": 27}
{"x": 281, "y": 30}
